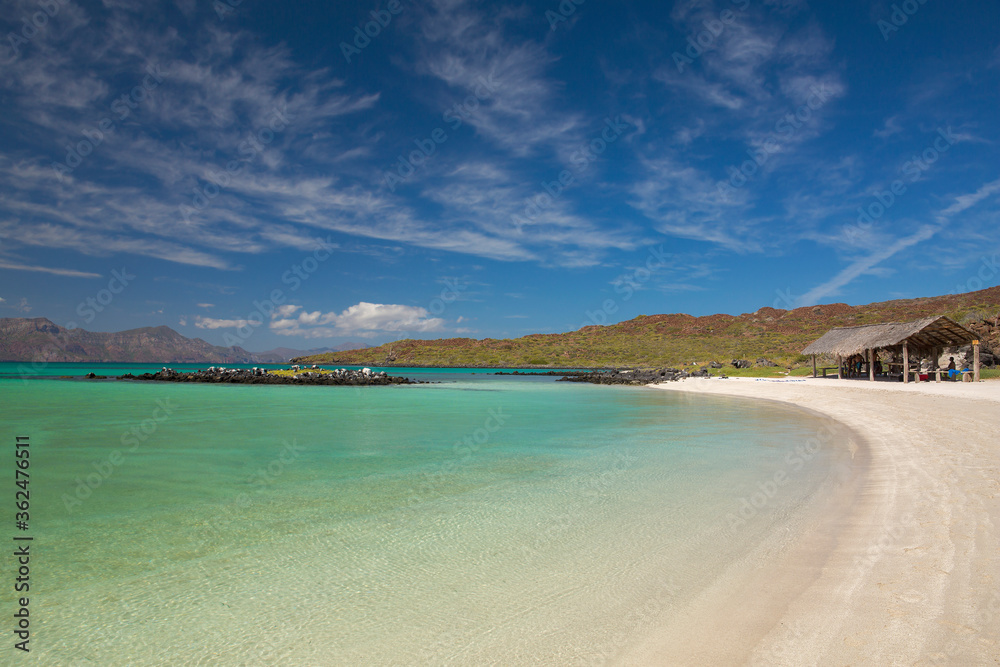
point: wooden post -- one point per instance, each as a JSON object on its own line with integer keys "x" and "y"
{"x": 906, "y": 363}
{"x": 840, "y": 368}
{"x": 814, "y": 365}
{"x": 871, "y": 365}
{"x": 975, "y": 360}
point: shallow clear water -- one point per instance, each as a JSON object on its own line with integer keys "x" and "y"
{"x": 489, "y": 520}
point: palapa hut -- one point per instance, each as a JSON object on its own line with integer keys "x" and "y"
{"x": 924, "y": 337}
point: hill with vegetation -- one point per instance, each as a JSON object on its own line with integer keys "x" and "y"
{"x": 771, "y": 335}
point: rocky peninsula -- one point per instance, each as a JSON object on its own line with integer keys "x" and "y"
{"x": 295, "y": 375}
{"x": 633, "y": 376}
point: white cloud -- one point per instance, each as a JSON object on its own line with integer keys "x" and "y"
{"x": 462, "y": 46}
{"x": 865, "y": 265}
{"x": 362, "y": 319}
{"x": 45, "y": 269}
{"x": 964, "y": 202}
{"x": 215, "y": 88}
{"x": 211, "y": 323}
{"x": 762, "y": 69}
{"x": 685, "y": 202}
{"x": 206, "y": 305}
{"x": 869, "y": 265}
{"x": 892, "y": 126}
{"x": 219, "y": 85}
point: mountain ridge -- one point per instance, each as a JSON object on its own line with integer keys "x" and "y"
{"x": 38, "y": 339}
{"x": 42, "y": 340}
{"x": 771, "y": 335}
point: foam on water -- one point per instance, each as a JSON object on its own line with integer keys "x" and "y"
{"x": 497, "y": 520}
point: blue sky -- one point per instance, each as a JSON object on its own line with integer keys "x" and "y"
{"x": 304, "y": 174}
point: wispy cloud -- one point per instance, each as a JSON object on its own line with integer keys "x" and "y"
{"x": 964, "y": 202}
{"x": 462, "y": 44}
{"x": 862, "y": 266}
{"x": 71, "y": 273}
{"x": 869, "y": 265}
{"x": 762, "y": 88}
{"x": 890, "y": 127}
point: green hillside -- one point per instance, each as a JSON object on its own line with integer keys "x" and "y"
{"x": 673, "y": 340}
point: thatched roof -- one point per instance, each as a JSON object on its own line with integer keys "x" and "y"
{"x": 926, "y": 333}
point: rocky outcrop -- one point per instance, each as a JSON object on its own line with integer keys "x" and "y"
{"x": 965, "y": 357}
{"x": 633, "y": 376}
{"x": 554, "y": 373}
{"x": 342, "y": 377}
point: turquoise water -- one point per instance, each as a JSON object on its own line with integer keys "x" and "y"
{"x": 484, "y": 520}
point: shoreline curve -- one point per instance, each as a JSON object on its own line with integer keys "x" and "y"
{"x": 899, "y": 563}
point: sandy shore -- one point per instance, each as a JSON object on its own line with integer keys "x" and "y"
{"x": 902, "y": 564}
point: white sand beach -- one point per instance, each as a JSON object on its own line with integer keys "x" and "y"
{"x": 898, "y": 566}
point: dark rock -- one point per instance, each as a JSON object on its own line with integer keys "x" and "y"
{"x": 341, "y": 376}
{"x": 741, "y": 363}
{"x": 627, "y": 376}
{"x": 767, "y": 363}
{"x": 559, "y": 373}
{"x": 714, "y": 364}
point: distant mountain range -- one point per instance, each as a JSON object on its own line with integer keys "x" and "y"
{"x": 771, "y": 335}
{"x": 40, "y": 339}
